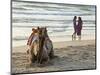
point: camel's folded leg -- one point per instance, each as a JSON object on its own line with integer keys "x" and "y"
{"x": 51, "y": 54}
{"x": 29, "y": 55}
{"x": 47, "y": 60}
{"x": 44, "y": 60}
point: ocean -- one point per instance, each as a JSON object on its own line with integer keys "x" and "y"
{"x": 58, "y": 18}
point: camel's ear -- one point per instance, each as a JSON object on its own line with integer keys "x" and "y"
{"x": 33, "y": 29}
{"x": 38, "y": 28}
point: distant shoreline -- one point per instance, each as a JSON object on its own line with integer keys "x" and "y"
{"x": 63, "y": 44}
{"x": 54, "y": 39}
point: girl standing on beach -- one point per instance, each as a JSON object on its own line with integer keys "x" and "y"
{"x": 74, "y": 23}
{"x": 79, "y": 27}
{"x": 75, "y": 29}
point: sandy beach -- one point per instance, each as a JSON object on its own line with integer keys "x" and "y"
{"x": 71, "y": 55}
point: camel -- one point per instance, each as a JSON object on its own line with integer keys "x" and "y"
{"x": 41, "y": 49}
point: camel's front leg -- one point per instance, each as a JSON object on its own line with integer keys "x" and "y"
{"x": 29, "y": 55}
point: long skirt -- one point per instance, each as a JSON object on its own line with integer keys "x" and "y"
{"x": 78, "y": 31}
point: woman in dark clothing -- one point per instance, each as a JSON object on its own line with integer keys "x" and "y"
{"x": 79, "y": 27}
{"x": 74, "y": 25}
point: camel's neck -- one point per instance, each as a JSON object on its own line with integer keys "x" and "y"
{"x": 41, "y": 44}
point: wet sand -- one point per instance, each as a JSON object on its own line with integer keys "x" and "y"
{"x": 70, "y": 55}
